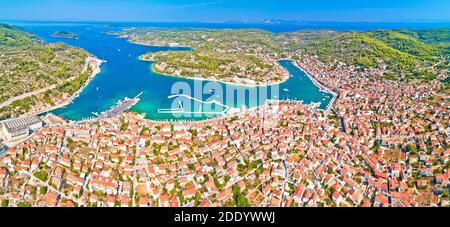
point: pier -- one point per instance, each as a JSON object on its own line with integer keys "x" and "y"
{"x": 121, "y": 106}
{"x": 227, "y": 109}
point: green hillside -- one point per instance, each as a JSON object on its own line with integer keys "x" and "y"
{"x": 27, "y": 65}
{"x": 404, "y": 54}
{"x": 438, "y": 38}
{"x": 407, "y": 44}
{"x": 401, "y": 54}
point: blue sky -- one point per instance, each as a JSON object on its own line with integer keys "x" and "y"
{"x": 220, "y": 10}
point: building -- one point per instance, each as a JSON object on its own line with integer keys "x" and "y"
{"x": 19, "y": 128}
{"x": 3, "y": 149}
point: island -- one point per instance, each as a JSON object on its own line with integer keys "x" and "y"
{"x": 65, "y": 35}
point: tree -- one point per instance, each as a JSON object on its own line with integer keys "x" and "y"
{"x": 239, "y": 199}
{"x": 411, "y": 148}
{"x": 377, "y": 146}
{"x": 198, "y": 198}
{"x": 24, "y": 204}
{"x": 43, "y": 190}
{"x": 5, "y": 203}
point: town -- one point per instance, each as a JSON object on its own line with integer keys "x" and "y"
{"x": 383, "y": 144}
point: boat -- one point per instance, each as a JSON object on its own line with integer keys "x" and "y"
{"x": 286, "y": 90}
{"x": 97, "y": 88}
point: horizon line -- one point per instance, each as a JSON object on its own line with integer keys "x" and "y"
{"x": 261, "y": 21}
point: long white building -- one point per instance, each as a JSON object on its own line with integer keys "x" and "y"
{"x": 20, "y": 128}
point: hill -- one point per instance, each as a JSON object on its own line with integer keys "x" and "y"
{"x": 400, "y": 54}
{"x": 251, "y": 53}
{"x": 28, "y": 65}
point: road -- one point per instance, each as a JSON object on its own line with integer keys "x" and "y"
{"x": 42, "y": 90}
{"x": 26, "y": 95}
{"x": 284, "y": 183}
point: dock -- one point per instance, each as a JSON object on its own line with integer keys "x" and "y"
{"x": 121, "y": 106}
{"x": 181, "y": 110}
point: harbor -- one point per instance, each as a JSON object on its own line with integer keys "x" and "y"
{"x": 122, "y": 76}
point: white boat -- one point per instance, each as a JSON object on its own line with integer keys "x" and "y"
{"x": 286, "y": 90}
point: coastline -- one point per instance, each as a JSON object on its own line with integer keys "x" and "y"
{"x": 97, "y": 70}
{"x": 266, "y": 84}
{"x": 63, "y": 37}
{"x": 160, "y": 46}
{"x": 322, "y": 87}
{"x": 91, "y": 62}
{"x": 286, "y": 78}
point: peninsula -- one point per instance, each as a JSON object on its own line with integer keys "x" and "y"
{"x": 249, "y": 56}
{"x": 36, "y": 77}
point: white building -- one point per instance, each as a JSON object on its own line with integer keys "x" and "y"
{"x": 3, "y": 149}
{"x": 20, "y": 128}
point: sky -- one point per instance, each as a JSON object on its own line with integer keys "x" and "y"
{"x": 226, "y": 10}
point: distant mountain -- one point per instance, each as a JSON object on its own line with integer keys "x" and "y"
{"x": 264, "y": 21}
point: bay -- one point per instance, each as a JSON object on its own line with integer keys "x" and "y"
{"x": 124, "y": 75}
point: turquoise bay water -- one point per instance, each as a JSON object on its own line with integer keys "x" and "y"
{"x": 124, "y": 75}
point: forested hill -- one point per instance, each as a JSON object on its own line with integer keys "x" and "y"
{"x": 399, "y": 54}
{"x": 28, "y": 65}
{"x": 404, "y": 53}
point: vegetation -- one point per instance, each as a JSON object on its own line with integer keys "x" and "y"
{"x": 43, "y": 190}
{"x": 438, "y": 38}
{"x": 239, "y": 198}
{"x": 42, "y": 175}
{"x": 214, "y": 54}
{"x": 5, "y": 203}
{"x": 23, "y": 204}
{"x": 64, "y": 34}
{"x": 27, "y": 65}
{"x": 400, "y": 54}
